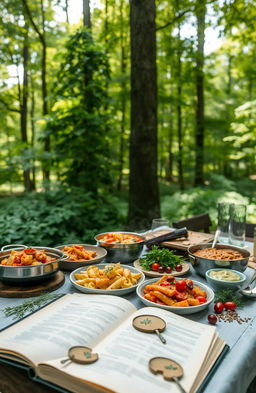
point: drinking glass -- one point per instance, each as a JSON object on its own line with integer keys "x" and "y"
{"x": 159, "y": 222}
{"x": 223, "y": 222}
{"x": 237, "y": 225}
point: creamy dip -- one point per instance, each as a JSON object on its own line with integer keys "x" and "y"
{"x": 225, "y": 275}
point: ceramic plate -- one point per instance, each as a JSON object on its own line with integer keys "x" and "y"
{"x": 119, "y": 292}
{"x": 177, "y": 310}
{"x": 72, "y": 265}
{"x": 151, "y": 273}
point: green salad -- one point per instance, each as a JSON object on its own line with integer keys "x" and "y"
{"x": 161, "y": 260}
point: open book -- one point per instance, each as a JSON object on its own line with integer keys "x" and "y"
{"x": 104, "y": 323}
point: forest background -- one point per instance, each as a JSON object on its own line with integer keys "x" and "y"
{"x": 136, "y": 110}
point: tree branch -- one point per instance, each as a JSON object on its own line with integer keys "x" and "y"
{"x": 175, "y": 19}
{"x": 40, "y": 35}
{"x": 8, "y": 106}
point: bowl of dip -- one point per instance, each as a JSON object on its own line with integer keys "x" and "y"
{"x": 225, "y": 278}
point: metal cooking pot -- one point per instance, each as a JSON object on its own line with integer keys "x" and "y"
{"x": 24, "y": 274}
{"x": 120, "y": 252}
{"x": 201, "y": 264}
{"x": 127, "y": 253}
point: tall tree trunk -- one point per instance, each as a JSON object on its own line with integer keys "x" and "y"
{"x": 123, "y": 99}
{"x": 42, "y": 38}
{"x": 33, "y": 131}
{"x": 179, "y": 108}
{"x": 24, "y": 109}
{"x": 144, "y": 204}
{"x": 87, "y": 14}
{"x": 66, "y": 11}
{"x": 199, "y": 140}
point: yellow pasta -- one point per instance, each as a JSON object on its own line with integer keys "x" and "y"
{"x": 111, "y": 277}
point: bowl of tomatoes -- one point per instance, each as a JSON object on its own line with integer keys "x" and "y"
{"x": 179, "y": 295}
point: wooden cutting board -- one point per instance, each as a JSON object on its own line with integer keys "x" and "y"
{"x": 32, "y": 289}
{"x": 182, "y": 243}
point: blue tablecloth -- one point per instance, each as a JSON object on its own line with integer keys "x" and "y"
{"x": 237, "y": 369}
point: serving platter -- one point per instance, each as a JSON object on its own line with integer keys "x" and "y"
{"x": 72, "y": 265}
{"x": 151, "y": 273}
{"x": 118, "y": 292}
{"x": 177, "y": 310}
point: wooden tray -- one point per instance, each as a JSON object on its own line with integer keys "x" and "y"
{"x": 182, "y": 243}
{"x": 32, "y": 289}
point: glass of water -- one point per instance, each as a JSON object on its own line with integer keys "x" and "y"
{"x": 158, "y": 223}
{"x": 223, "y": 222}
{"x": 237, "y": 225}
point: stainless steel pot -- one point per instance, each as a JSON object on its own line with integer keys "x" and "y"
{"x": 119, "y": 252}
{"x": 201, "y": 264}
{"x": 24, "y": 274}
{"x": 127, "y": 253}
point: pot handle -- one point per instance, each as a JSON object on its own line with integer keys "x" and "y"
{"x": 176, "y": 234}
{"x": 64, "y": 257}
{"x": 14, "y": 247}
{"x": 193, "y": 260}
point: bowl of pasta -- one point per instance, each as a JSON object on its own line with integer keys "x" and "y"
{"x": 108, "y": 279}
{"x": 124, "y": 247}
{"x": 22, "y": 264}
{"x": 179, "y": 295}
{"x": 79, "y": 255}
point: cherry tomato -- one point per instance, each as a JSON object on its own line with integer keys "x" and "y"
{"x": 212, "y": 319}
{"x": 155, "y": 267}
{"x": 168, "y": 269}
{"x": 165, "y": 284}
{"x": 178, "y": 268}
{"x": 161, "y": 269}
{"x": 29, "y": 250}
{"x": 181, "y": 285}
{"x": 218, "y": 307}
{"x": 201, "y": 299}
{"x": 190, "y": 283}
{"x": 171, "y": 280}
{"x": 230, "y": 306}
{"x": 181, "y": 296}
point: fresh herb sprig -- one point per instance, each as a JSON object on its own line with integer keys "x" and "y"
{"x": 163, "y": 256}
{"x": 228, "y": 295}
{"x": 29, "y": 306}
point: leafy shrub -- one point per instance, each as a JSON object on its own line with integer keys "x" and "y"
{"x": 195, "y": 201}
{"x": 56, "y": 217}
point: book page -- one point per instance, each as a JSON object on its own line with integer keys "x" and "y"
{"x": 75, "y": 319}
{"x": 124, "y": 355}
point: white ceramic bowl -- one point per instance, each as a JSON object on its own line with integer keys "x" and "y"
{"x": 217, "y": 284}
{"x": 177, "y": 310}
{"x": 72, "y": 265}
{"x": 118, "y": 292}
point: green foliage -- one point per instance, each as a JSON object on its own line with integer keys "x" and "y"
{"x": 56, "y": 217}
{"x": 162, "y": 256}
{"x": 78, "y": 123}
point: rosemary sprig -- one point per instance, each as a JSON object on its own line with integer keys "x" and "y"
{"x": 29, "y": 306}
{"x": 228, "y": 295}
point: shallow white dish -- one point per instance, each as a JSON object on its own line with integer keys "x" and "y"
{"x": 72, "y": 265}
{"x": 118, "y": 292}
{"x": 177, "y": 310}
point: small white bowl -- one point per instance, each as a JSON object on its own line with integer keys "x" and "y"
{"x": 119, "y": 292}
{"x": 217, "y": 283}
{"x": 177, "y": 310}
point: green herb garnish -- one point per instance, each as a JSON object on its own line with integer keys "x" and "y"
{"x": 162, "y": 256}
{"x": 29, "y": 306}
{"x": 228, "y": 295}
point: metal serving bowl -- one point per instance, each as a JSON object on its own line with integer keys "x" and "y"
{"x": 120, "y": 252}
{"x": 201, "y": 264}
{"x": 24, "y": 274}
